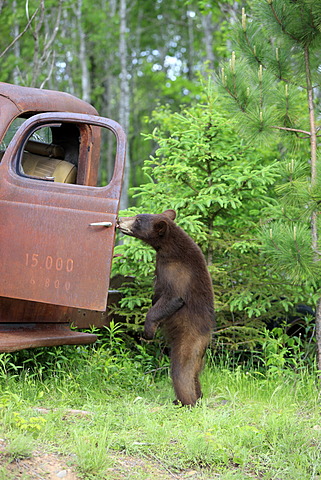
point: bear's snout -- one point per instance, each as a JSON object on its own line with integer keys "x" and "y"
{"x": 125, "y": 224}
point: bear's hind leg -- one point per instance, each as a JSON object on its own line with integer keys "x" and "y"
{"x": 186, "y": 364}
{"x": 184, "y": 385}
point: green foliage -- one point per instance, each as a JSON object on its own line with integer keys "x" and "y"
{"x": 266, "y": 79}
{"x": 31, "y": 424}
{"x": 252, "y": 422}
{"x": 21, "y": 446}
{"x": 136, "y": 263}
{"x": 290, "y": 244}
{"x": 270, "y": 85}
{"x": 219, "y": 187}
{"x": 110, "y": 361}
{"x": 286, "y": 237}
{"x": 71, "y": 46}
{"x": 281, "y": 351}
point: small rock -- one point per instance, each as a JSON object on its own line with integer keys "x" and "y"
{"x": 62, "y": 474}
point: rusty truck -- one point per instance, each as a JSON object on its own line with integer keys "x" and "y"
{"x": 57, "y": 225}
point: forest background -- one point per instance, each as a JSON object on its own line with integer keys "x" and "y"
{"x": 160, "y": 69}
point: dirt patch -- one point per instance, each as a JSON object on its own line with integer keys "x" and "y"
{"x": 52, "y": 466}
{"x": 128, "y": 468}
{"x": 45, "y": 466}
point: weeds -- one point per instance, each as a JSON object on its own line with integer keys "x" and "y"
{"x": 258, "y": 419}
{"x": 4, "y": 474}
{"x": 21, "y": 446}
{"x": 92, "y": 453}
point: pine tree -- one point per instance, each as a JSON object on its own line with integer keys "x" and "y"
{"x": 217, "y": 184}
{"x": 272, "y": 80}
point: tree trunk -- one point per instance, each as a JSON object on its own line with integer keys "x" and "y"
{"x": 207, "y": 26}
{"x": 85, "y": 76}
{"x": 16, "y": 47}
{"x": 109, "y": 107}
{"x": 68, "y": 30}
{"x": 314, "y": 226}
{"x": 313, "y": 143}
{"x": 124, "y": 104}
{"x": 318, "y": 335}
{"x": 44, "y": 52}
{"x": 190, "y": 46}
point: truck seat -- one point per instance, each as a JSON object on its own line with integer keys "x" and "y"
{"x": 46, "y": 161}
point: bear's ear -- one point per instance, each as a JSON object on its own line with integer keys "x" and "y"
{"x": 161, "y": 227}
{"x": 170, "y": 214}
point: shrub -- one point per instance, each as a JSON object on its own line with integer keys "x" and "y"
{"x": 219, "y": 186}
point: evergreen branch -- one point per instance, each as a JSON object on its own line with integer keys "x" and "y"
{"x": 202, "y": 168}
{"x": 209, "y": 170}
{"x": 190, "y": 186}
{"x": 235, "y": 97}
{"x": 317, "y": 252}
{"x": 214, "y": 215}
{"x": 252, "y": 50}
{"x": 232, "y": 271}
{"x": 281, "y": 24}
{"x": 288, "y": 129}
{"x": 299, "y": 257}
{"x": 226, "y": 329}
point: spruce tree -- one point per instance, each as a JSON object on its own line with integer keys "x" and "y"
{"x": 273, "y": 83}
{"x": 218, "y": 185}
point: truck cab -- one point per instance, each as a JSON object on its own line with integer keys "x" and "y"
{"x": 57, "y": 222}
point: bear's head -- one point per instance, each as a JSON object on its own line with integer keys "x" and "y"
{"x": 150, "y": 228}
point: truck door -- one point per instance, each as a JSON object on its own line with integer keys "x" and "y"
{"x": 55, "y": 243}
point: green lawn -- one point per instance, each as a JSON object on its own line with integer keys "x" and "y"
{"x": 248, "y": 425}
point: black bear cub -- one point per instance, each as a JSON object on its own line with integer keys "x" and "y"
{"x": 183, "y": 302}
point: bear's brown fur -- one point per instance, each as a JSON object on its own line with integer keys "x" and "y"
{"x": 183, "y": 302}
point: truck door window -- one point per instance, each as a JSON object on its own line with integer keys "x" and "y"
{"x": 42, "y": 158}
{"x": 48, "y": 156}
{"x": 66, "y": 153}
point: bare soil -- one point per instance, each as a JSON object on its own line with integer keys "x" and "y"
{"x": 52, "y": 466}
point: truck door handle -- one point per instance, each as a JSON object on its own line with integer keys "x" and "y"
{"x": 100, "y": 224}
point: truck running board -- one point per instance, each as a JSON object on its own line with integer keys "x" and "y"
{"x": 17, "y": 336}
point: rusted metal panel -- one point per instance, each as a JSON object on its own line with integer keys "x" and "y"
{"x": 51, "y": 255}
{"x": 29, "y": 99}
{"x": 49, "y": 252}
{"x": 16, "y": 101}
{"x": 54, "y": 266}
{"x": 17, "y": 336}
{"x": 16, "y": 310}
{"x": 37, "y": 312}
{"x": 8, "y": 112}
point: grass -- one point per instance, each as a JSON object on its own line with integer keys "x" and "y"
{"x": 249, "y": 424}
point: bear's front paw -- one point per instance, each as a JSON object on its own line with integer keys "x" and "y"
{"x": 149, "y": 331}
